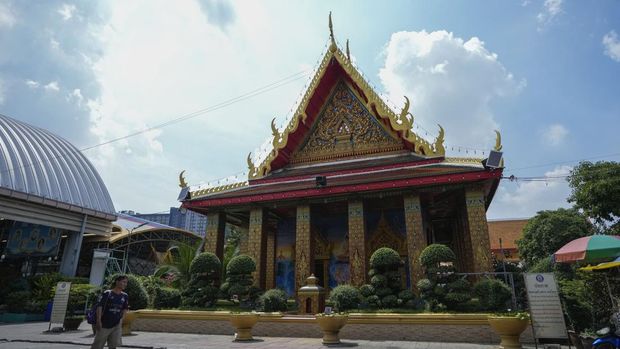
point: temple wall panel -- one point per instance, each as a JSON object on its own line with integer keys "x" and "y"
{"x": 357, "y": 248}
{"x": 270, "y": 277}
{"x": 304, "y": 252}
{"x": 257, "y": 244}
{"x": 214, "y": 234}
{"x": 478, "y": 231}
{"x": 416, "y": 237}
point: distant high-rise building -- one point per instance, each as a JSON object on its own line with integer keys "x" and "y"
{"x": 178, "y": 218}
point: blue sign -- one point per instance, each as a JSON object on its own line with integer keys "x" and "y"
{"x": 32, "y": 240}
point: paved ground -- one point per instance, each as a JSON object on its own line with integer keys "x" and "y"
{"x": 32, "y": 335}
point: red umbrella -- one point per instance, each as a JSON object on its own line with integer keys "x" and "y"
{"x": 591, "y": 249}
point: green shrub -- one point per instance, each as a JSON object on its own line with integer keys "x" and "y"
{"x": 345, "y": 297}
{"x": 406, "y": 295}
{"x": 385, "y": 258}
{"x": 374, "y": 301}
{"x": 138, "y": 297}
{"x": 367, "y": 290}
{"x": 241, "y": 264}
{"x": 16, "y": 302}
{"x": 78, "y": 298}
{"x": 383, "y": 291}
{"x": 389, "y": 301}
{"x": 492, "y": 294}
{"x": 272, "y": 300}
{"x": 166, "y": 298}
{"x": 425, "y": 285}
{"x": 199, "y": 293}
{"x": 206, "y": 263}
{"x": 378, "y": 280}
{"x": 434, "y": 254}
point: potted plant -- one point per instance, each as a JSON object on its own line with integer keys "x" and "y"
{"x": 509, "y": 327}
{"x": 243, "y": 322}
{"x": 331, "y": 324}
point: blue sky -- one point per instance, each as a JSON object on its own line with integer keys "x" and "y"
{"x": 545, "y": 73}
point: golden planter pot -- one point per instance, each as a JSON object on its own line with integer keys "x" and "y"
{"x": 331, "y": 325}
{"x": 243, "y": 323}
{"x": 128, "y": 319}
{"x": 509, "y": 330}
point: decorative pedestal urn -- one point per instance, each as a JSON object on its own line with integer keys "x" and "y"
{"x": 331, "y": 325}
{"x": 244, "y": 322}
{"x": 509, "y": 330}
{"x": 127, "y": 321}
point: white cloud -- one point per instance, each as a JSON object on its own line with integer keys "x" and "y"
{"x": 33, "y": 84}
{"x": 449, "y": 81}
{"x": 612, "y": 45}
{"x": 52, "y": 86}
{"x": 551, "y": 9}
{"x": 7, "y": 17}
{"x": 555, "y": 134}
{"x": 522, "y": 199}
{"x": 66, "y": 11}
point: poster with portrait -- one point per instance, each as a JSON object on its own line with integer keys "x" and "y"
{"x": 32, "y": 240}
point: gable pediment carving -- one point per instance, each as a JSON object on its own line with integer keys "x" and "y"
{"x": 345, "y": 128}
{"x": 384, "y": 236}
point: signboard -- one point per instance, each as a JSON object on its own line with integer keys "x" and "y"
{"x": 34, "y": 240}
{"x": 545, "y": 305}
{"x": 61, "y": 298}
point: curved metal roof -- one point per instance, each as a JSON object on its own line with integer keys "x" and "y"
{"x": 37, "y": 162}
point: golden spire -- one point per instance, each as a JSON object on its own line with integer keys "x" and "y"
{"x": 498, "y": 141}
{"x": 182, "y": 182}
{"x": 332, "y": 47}
{"x": 348, "y": 53}
{"x": 439, "y": 147}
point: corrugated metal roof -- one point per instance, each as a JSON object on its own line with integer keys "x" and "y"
{"x": 37, "y": 162}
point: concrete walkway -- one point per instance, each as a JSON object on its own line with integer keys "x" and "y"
{"x": 32, "y": 335}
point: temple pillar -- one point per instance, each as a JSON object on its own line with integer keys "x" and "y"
{"x": 478, "y": 231}
{"x": 304, "y": 254}
{"x": 214, "y": 235}
{"x": 357, "y": 243}
{"x": 257, "y": 244}
{"x": 416, "y": 238}
{"x": 270, "y": 269}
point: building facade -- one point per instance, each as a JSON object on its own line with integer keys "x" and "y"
{"x": 347, "y": 176}
{"x": 178, "y": 218}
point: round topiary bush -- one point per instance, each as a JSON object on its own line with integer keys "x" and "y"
{"x": 345, "y": 297}
{"x": 434, "y": 254}
{"x": 241, "y": 264}
{"x": 205, "y": 263}
{"x": 367, "y": 290}
{"x": 272, "y": 300}
{"x": 389, "y": 301}
{"x": 138, "y": 297}
{"x": 406, "y": 295}
{"x": 425, "y": 285}
{"x": 166, "y": 298}
{"x": 378, "y": 281}
{"x": 492, "y": 294}
{"x": 385, "y": 258}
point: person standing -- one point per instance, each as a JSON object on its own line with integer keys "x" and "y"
{"x": 111, "y": 307}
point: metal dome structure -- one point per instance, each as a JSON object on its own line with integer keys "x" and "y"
{"x": 44, "y": 179}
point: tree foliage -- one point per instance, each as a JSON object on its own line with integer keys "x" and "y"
{"x": 596, "y": 189}
{"x": 549, "y": 230}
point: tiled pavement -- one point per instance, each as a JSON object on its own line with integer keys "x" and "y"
{"x": 31, "y": 335}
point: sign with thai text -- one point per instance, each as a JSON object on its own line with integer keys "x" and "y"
{"x": 545, "y": 305}
{"x": 61, "y": 299}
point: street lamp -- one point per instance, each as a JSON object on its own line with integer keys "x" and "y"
{"x": 126, "y": 256}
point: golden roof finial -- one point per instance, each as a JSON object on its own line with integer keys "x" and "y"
{"x": 348, "y": 52}
{"x": 182, "y": 182}
{"x": 332, "y": 47}
{"x": 439, "y": 147}
{"x": 498, "y": 141}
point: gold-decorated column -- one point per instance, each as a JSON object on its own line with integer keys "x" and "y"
{"x": 304, "y": 257}
{"x": 416, "y": 239}
{"x": 214, "y": 235}
{"x": 257, "y": 244}
{"x": 357, "y": 243}
{"x": 270, "y": 277}
{"x": 478, "y": 230}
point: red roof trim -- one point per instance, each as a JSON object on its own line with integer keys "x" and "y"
{"x": 330, "y": 191}
{"x": 346, "y": 172}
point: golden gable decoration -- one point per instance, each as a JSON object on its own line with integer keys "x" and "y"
{"x": 345, "y": 128}
{"x": 384, "y": 236}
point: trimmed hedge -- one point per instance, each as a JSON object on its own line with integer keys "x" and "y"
{"x": 385, "y": 258}
{"x": 434, "y": 254}
{"x": 345, "y": 297}
{"x": 241, "y": 265}
{"x": 272, "y": 300}
{"x": 138, "y": 297}
{"x": 166, "y": 298}
{"x": 492, "y": 294}
{"x": 205, "y": 263}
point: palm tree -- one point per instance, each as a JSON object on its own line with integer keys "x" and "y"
{"x": 177, "y": 260}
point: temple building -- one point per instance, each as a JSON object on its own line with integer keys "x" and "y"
{"x": 347, "y": 176}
